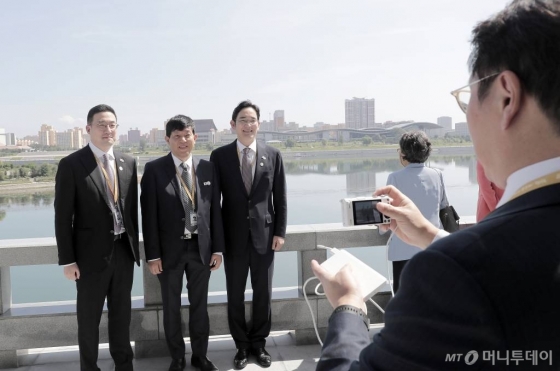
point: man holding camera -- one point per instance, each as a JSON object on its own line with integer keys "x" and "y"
{"x": 491, "y": 289}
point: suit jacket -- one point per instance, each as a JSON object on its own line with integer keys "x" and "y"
{"x": 83, "y": 218}
{"x": 163, "y": 215}
{"x": 264, "y": 210}
{"x": 424, "y": 186}
{"x": 492, "y": 287}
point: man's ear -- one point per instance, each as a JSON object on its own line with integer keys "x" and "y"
{"x": 510, "y": 98}
{"x": 232, "y": 123}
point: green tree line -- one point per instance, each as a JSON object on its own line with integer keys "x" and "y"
{"x": 10, "y": 171}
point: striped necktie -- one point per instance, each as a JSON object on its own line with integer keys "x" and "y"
{"x": 246, "y": 172}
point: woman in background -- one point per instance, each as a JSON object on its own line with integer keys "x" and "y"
{"x": 423, "y": 185}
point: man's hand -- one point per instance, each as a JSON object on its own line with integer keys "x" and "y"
{"x": 340, "y": 289}
{"x": 72, "y": 272}
{"x": 215, "y": 261}
{"x": 407, "y": 222}
{"x": 277, "y": 243}
{"x": 155, "y": 267}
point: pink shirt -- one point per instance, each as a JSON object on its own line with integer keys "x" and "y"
{"x": 488, "y": 194}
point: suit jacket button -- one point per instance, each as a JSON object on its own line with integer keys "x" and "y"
{"x": 247, "y": 218}
{"x": 183, "y": 219}
{"x": 111, "y": 231}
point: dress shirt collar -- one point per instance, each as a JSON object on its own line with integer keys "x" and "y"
{"x": 252, "y": 146}
{"x": 178, "y": 162}
{"x": 527, "y": 174}
{"x": 99, "y": 153}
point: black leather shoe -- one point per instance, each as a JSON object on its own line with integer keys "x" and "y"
{"x": 263, "y": 358}
{"x": 203, "y": 363}
{"x": 240, "y": 359}
{"x": 177, "y": 364}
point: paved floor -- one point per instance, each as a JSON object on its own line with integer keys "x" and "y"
{"x": 281, "y": 346}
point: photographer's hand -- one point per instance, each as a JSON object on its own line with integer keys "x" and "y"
{"x": 340, "y": 289}
{"x": 407, "y": 222}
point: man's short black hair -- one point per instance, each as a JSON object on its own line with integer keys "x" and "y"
{"x": 523, "y": 38}
{"x": 245, "y": 104}
{"x": 415, "y": 147}
{"x": 180, "y": 123}
{"x": 97, "y": 109}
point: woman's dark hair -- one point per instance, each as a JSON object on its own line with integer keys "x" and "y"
{"x": 415, "y": 146}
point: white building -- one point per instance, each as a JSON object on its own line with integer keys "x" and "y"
{"x": 359, "y": 113}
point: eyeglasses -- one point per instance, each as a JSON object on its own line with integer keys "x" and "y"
{"x": 463, "y": 94}
{"x": 105, "y": 126}
{"x": 248, "y": 122}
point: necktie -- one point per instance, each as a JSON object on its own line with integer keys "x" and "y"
{"x": 109, "y": 171}
{"x": 246, "y": 172}
{"x": 187, "y": 203}
{"x": 117, "y": 220}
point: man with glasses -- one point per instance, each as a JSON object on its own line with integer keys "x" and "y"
{"x": 485, "y": 297}
{"x": 254, "y": 211}
{"x": 96, "y": 226}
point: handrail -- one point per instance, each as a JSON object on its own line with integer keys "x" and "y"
{"x": 54, "y": 324}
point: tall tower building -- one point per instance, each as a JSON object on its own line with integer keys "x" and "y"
{"x": 78, "y": 141}
{"x": 47, "y": 135}
{"x": 445, "y": 122}
{"x": 279, "y": 120}
{"x": 359, "y": 113}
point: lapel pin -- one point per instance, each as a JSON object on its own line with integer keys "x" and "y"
{"x": 264, "y": 157}
{"x": 207, "y": 183}
{"x": 121, "y": 160}
{"x": 120, "y": 168}
{"x": 261, "y": 164}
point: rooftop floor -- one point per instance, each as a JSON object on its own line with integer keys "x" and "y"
{"x": 281, "y": 346}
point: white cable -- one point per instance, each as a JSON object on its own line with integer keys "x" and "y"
{"x": 311, "y": 310}
{"x": 389, "y": 264}
{"x": 334, "y": 251}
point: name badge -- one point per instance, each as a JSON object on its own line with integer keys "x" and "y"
{"x": 117, "y": 215}
{"x": 194, "y": 219}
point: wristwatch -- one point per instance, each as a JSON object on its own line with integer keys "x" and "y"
{"x": 352, "y": 309}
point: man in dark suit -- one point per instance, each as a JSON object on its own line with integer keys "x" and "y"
{"x": 182, "y": 229}
{"x": 487, "y": 296}
{"x": 96, "y": 225}
{"x": 253, "y": 186}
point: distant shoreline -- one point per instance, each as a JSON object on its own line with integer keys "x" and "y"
{"x": 17, "y": 188}
{"x": 387, "y": 152}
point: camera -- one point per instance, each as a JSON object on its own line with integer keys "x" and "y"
{"x": 362, "y": 210}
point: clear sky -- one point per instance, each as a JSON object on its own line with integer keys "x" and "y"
{"x": 151, "y": 60}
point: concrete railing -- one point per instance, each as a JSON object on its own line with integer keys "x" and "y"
{"x": 43, "y": 325}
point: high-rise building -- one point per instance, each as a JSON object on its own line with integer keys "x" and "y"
{"x": 65, "y": 139}
{"x": 78, "y": 138}
{"x": 123, "y": 139}
{"x": 462, "y": 129}
{"x": 134, "y": 136}
{"x": 157, "y": 136}
{"x": 445, "y": 122}
{"x": 47, "y": 135}
{"x": 279, "y": 120}
{"x": 359, "y": 113}
{"x": 3, "y": 137}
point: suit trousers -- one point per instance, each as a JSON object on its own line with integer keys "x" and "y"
{"x": 171, "y": 281}
{"x": 115, "y": 284}
{"x": 237, "y": 268}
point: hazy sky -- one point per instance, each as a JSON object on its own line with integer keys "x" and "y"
{"x": 151, "y": 60}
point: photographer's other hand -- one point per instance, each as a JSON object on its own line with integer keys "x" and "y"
{"x": 407, "y": 222}
{"x": 341, "y": 288}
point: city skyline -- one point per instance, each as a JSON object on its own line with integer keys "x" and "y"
{"x": 152, "y": 61}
